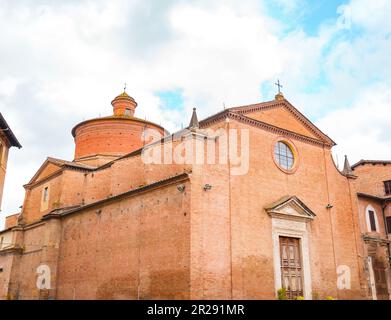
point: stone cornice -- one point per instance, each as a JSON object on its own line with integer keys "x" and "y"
{"x": 382, "y": 241}
{"x": 11, "y": 250}
{"x": 263, "y": 125}
{"x": 296, "y": 113}
{"x": 61, "y": 164}
{"x": 373, "y": 197}
{"x": 242, "y": 110}
{"x": 49, "y": 177}
{"x": 290, "y": 208}
{"x": 372, "y": 162}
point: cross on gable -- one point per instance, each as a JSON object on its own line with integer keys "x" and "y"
{"x": 279, "y": 86}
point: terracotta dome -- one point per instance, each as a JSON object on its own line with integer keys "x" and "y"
{"x": 124, "y": 105}
{"x": 114, "y": 135}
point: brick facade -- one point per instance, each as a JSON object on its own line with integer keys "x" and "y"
{"x": 372, "y": 197}
{"x": 124, "y": 229}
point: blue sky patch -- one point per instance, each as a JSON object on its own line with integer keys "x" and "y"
{"x": 308, "y": 15}
{"x": 172, "y": 99}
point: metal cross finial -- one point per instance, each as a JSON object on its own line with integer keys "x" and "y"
{"x": 124, "y": 86}
{"x": 279, "y": 86}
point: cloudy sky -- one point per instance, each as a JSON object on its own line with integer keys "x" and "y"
{"x": 64, "y": 61}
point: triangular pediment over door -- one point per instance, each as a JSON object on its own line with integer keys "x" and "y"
{"x": 290, "y": 207}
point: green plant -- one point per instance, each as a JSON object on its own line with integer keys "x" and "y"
{"x": 300, "y": 298}
{"x": 282, "y": 294}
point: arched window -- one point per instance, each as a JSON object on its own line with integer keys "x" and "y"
{"x": 371, "y": 219}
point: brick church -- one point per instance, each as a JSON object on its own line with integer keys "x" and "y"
{"x": 143, "y": 214}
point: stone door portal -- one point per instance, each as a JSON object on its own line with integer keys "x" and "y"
{"x": 291, "y": 267}
{"x": 379, "y": 271}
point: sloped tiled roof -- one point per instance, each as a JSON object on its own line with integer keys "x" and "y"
{"x": 373, "y": 162}
{"x": 8, "y": 133}
{"x": 61, "y": 162}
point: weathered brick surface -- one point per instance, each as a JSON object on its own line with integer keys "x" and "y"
{"x": 11, "y": 221}
{"x": 281, "y": 118}
{"x": 32, "y": 209}
{"x": 194, "y": 243}
{"x": 115, "y": 135}
{"x": 111, "y": 136}
{"x": 135, "y": 248}
{"x": 371, "y": 177}
{"x": 6, "y": 262}
{"x": 369, "y": 183}
{"x": 3, "y": 163}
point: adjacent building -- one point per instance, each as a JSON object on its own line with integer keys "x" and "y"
{"x": 7, "y": 140}
{"x": 373, "y": 190}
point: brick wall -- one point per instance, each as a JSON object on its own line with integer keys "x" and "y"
{"x": 370, "y": 178}
{"x": 115, "y": 136}
{"x": 138, "y": 247}
{"x": 143, "y": 247}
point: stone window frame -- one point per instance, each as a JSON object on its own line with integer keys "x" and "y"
{"x": 296, "y": 158}
{"x": 45, "y": 202}
{"x": 368, "y": 221}
{"x": 387, "y": 187}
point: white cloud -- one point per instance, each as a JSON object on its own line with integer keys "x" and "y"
{"x": 293, "y": 6}
{"x": 222, "y": 50}
{"x": 362, "y": 131}
{"x": 8, "y": 87}
{"x": 372, "y": 16}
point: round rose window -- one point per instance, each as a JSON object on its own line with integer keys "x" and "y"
{"x": 283, "y": 155}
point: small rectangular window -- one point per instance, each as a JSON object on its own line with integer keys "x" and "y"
{"x": 45, "y": 194}
{"x": 387, "y": 187}
{"x": 372, "y": 220}
{"x": 388, "y": 221}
